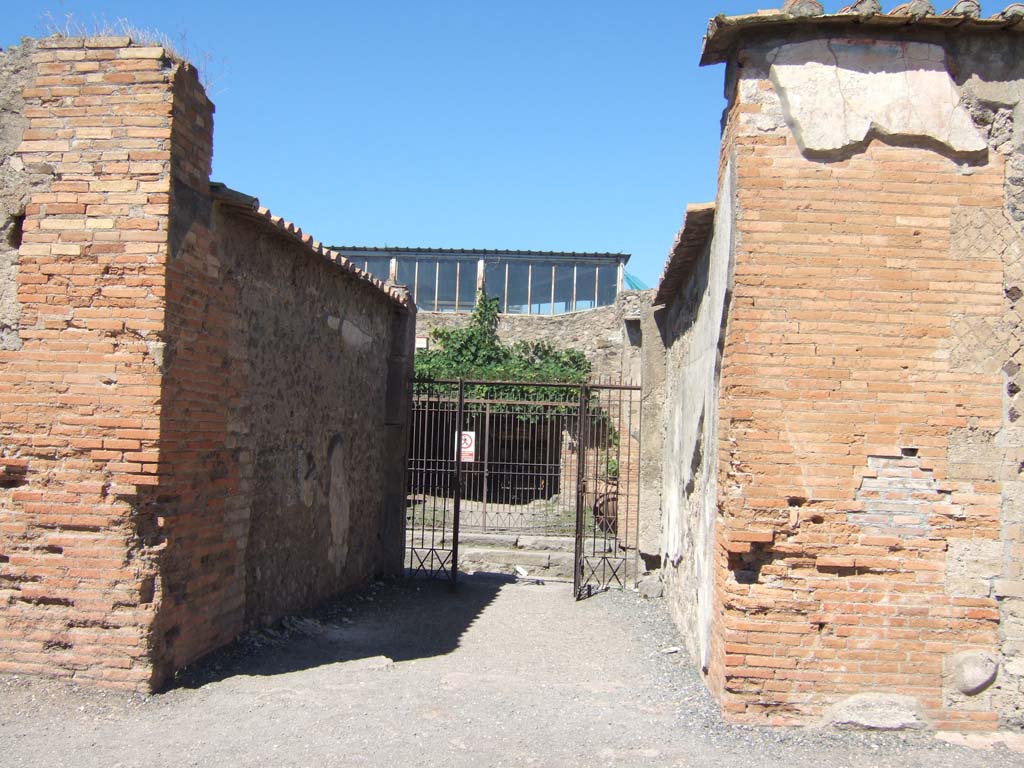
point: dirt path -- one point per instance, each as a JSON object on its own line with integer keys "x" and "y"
{"x": 503, "y": 674}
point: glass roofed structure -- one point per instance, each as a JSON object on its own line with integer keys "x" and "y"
{"x": 525, "y": 282}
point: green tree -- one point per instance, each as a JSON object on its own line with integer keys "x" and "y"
{"x": 475, "y": 352}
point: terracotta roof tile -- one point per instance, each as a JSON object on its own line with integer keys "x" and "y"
{"x": 724, "y": 32}
{"x": 250, "y": 206}
{"x": 687, "y": 248}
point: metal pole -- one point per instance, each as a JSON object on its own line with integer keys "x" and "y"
{"x": 639, "y": 404}
{"x": 487, "y": 458}
{"x": 458, "y": 482}
{"x": 581, "y": 442}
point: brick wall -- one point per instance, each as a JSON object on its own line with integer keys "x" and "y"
{"x": 79, "y": 420}
{"x": 141, "y": 363}
{"x": 200, "y": 505}
{"x": 863, "y": 448}
{"x": 838, "y": 401}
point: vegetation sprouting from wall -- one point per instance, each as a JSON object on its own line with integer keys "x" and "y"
{"x": 475, "y": 353}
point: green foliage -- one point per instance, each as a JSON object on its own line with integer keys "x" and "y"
{"x": 476, "y": 353}
{"x": 611, "y": 466}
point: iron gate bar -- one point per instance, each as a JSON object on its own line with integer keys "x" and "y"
{"x": 427, "y": 536}
{"x": 460, "y": 413}
{"x": 577, "y": 571}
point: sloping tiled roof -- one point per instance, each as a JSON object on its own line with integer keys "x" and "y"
{"x": 965, "y": 16}
{"x": 689, "y": 244}
{"x": 250, "y": 206}
{"x": 478, "y": 252}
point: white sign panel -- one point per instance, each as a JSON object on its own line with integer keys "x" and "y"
{"x": 467, "y": 446}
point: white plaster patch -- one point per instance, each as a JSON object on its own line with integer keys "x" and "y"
{"x": 354, "y": 336}
{"x": 340, "y": 508}
{"x": 835, "y": 92}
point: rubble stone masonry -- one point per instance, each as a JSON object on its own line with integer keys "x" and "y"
{"x": 866, "y": 510}
{"x": 191, "y": 392}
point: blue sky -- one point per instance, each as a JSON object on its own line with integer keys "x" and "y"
{"x": 581, "y": 125}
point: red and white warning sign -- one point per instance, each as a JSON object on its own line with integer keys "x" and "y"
{"x": 467, "y": 446}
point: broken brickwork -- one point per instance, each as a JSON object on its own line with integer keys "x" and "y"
{"x": 202, "y": 410}
{"x": 843, "y": 447}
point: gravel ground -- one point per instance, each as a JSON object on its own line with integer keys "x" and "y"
{"x": 504, "y": 673}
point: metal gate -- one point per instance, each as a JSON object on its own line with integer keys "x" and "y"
{"x": 538, "y": 458}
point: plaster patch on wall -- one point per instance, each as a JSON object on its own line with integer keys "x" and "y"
{"x": 338, "y": 505}
{"x": 836, "y": 92}
{"x": 691, "y": 471}
{"x": 354, "y": 336}
{"x": 899, "y": 497}
{"x": 974, "y": 454}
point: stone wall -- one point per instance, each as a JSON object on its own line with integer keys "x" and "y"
{"x": 16, "y": 184}
{"x": 653, "y": 427}
{"x": 692, "y": 326}
{"x": 866, "y": 536}
{"x": 202, "y": 411}
{"x": 611, "y": 344}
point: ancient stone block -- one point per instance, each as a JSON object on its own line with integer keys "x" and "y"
{"x": 972, "y": 565}
{"x": 974, "y": 671}
{"x": 651, "y": 587}
{"x": 877, "y": 712}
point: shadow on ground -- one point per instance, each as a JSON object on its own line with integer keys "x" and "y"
{"x": 388, "y": 621}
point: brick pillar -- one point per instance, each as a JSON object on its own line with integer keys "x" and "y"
{"x": 851, "y": 549}
{"x": 80, "y": 399}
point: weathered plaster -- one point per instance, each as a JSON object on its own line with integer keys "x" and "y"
{"x": 972, "y": 566}
{"x": 837, "y": 92}
{"x": 694, "y": 326}
{"x": 652, "y": 447}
